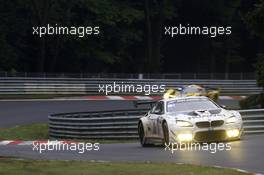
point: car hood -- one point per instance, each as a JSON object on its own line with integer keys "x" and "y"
{"x": 202, "y": 115}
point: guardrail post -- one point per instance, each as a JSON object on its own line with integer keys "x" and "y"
{"x": 226, "y": 75}
{"x": 211, "y": 76}
{"x": 140, "y": 76}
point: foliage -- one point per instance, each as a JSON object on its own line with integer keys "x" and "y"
{"x": 254, "y": 19}
{"x": 131, "y": 40}
{"x": 252, "y": 101}
{"x": 260, "y": 70}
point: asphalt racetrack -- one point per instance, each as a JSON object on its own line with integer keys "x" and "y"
{"x": 21, "y": 112}
{"x": 247, "y": 154}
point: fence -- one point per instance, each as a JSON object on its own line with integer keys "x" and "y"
{"x": 212, "y": 76}
{"x": 122, "y": 124}
{"x": 15, "y": 85}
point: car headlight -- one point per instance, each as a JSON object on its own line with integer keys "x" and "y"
{"x": 183, "y": 123}
{"x": 232, "y": 119}
{"x": 232, "y": 133}
{"x": 187, "y": 137}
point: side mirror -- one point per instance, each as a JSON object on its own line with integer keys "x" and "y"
{"x": 157, "y": 111}
{"x": 223, "y": 106}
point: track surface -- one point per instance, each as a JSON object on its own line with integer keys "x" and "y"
{"x": 246, "y": 154}
{"x": 26, "y": 112}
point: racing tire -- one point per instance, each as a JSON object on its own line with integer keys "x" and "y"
{"x": 165, "y": 129}
{"x": 141, "y": 134}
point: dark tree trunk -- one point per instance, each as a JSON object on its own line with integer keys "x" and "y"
{"x": 156, "y": 45}
{"x": 148, "y": 36}
{"x": 154, "y": 24}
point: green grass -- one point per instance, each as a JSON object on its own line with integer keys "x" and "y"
{"x": 32, "y": 167}
{"x": 27, "y": 132}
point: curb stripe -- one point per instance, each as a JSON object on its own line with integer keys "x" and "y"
{"x": 15, "y": 142}
{"x": 26, "y": 143}
{"x": 5, "y": 142}
{"x": 98, "y": 97}
{"x": 128, "y": 97}
{"x": 113, "y": 97}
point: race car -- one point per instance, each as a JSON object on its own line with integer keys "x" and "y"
{"x": 193, "y": 90}
{"x": 188, "y": 119}
{"x": 198, "y": 90}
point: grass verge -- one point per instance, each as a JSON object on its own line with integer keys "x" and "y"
{"x": 44, "y": 167}
{"x": 26, "y": 132}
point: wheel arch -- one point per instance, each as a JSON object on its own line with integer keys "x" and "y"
{"x": 143, "y": 121}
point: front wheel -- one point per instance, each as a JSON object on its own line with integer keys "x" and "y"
{"x": 165, "y": 129}
{"x": 141, "y": 134}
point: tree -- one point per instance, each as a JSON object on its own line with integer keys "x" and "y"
{"x": 254, "y": 20}
{"x": 156, "y": 12}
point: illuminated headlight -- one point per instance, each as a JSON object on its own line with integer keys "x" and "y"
{"x": 185, "y": 137}
{"x": 183, "y": 123}
{"x": 232, "y": 119}
{"x": 232, "y": 133}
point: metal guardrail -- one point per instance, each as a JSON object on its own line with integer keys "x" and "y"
{"x": 122, "y": 124}
{"x": 90, "y": 86}
{"x": 212, "y": 76}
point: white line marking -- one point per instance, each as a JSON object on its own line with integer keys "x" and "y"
{"x": 115, "y": 97}
{"x": 5, "y": 142}
{"x": 143, "y": 97}
{"x": 26, "y": 143}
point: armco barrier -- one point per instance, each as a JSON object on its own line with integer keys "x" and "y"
{"x": 122, "y": 124}
{"x": 207, "y": 76}
{"x": 90, "y": 86}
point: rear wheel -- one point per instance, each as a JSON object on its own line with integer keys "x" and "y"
{"x": 165, "y": 129}
{"x": 141, "y": 134}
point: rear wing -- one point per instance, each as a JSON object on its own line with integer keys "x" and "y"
{"x": 211, "y": 88}
{"x": 151, "y": 103}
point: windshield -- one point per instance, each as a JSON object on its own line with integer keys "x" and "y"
{"x": 190, "y": 105}
{"x": 193, "y": 90}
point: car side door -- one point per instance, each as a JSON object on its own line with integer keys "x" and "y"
{"x": 154, "y": 119}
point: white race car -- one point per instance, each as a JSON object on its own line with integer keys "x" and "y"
{"x": 189, "y": 119}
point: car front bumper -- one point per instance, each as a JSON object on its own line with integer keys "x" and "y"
{"x": 211, "y": 134}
